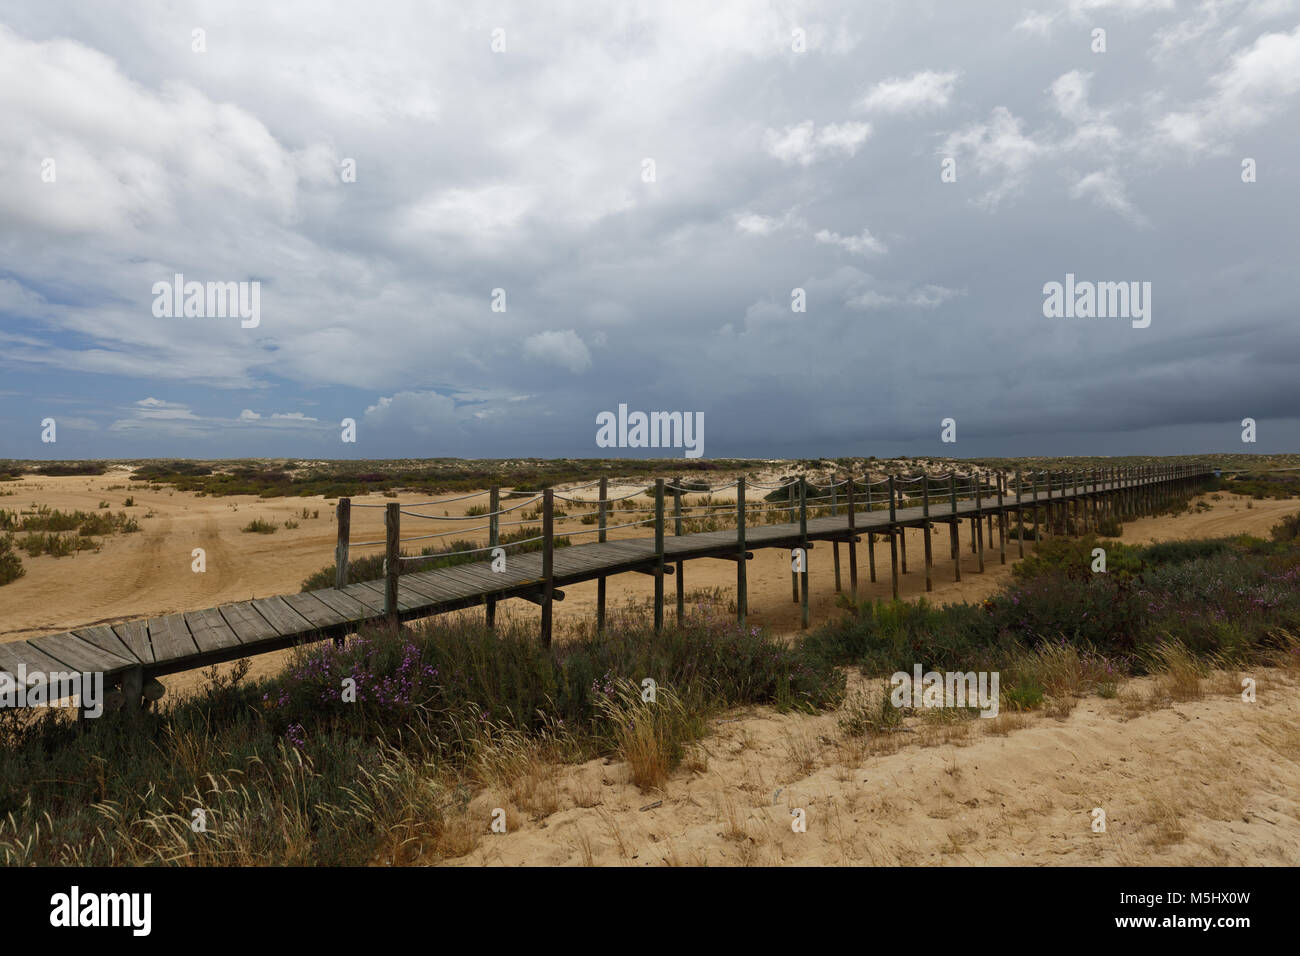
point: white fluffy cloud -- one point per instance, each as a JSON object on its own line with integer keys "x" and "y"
{"x": 564, "y": 348}
{"x": 863, "y": 244}
{"x": 1258, "y": 83}
{"x": 920, "y": 92}
{"x": 997, "y": 148}
{"x": 804, "y": 144}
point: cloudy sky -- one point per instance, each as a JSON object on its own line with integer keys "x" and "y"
{"x": 648, "y": 184}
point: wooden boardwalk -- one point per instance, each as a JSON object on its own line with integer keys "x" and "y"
{"x": 131, "y": 652}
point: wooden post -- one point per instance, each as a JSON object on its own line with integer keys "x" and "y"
{"x": 794, "y": 575}
{"x": 975, "y": 519}
{"x": 1034, "y": 491}
{"x": 1075, "y": 511}
{"x": 681, "y": 578}
{"x": 871, "y": 535}
{"x": 1050, "y": 516}
{"x": 742, "y": 590}
{"x": 893, "y": 561}
{"x": 893, "y": 538}
{"x": 393, "y": 560}
{"x": 601, "y": 512}
{"x": 1091, "y": 503}
{"x": 133, "y": 689}
{"x": 954, "y": 534}
{"x": 979, "y": 525}
{"x": 835, "y": 545}
{"x": 803, "y": 543}
{"x": 494, "y": 541}
{"x": 548, "y": 561}
{"x": 1002, "y": 520}
{"x": 1020, "y": 518}
{"x": 853, "y": 544}
{"x": 902, "y": 534}
{"x": 659, "y": 555}
{"x": 925, "y": 513}
{"x": 343, "y": 516}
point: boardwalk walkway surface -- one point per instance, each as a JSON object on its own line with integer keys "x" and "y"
{"x": 130, "y": 652}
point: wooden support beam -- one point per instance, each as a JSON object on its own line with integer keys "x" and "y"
{"x": 133, "y": 689}
{"x": 538, "y": 597}
{"x": 393, "y": 559}
{"x": 790, "y": 497}
{"x": 343, "y": 518}
{"x": 893, "y": 561}
{"x": 871, "y": 537}
{"x": 548, "y": 562}
{"x": 653, "y": 571}
{"x": 742, "y": 587}
{"x": 853, "y": 544}
{"x": 925, "y": 512}
{"x": 601, "y": 514}
{"x": 1002, "y": 519}
{"x": 659, "y": 555}
{"x": 835, "y": 544}
{"x": 681, "y": 576}
{"x": 803, "y": 543}
{"x": 494, "y": 541}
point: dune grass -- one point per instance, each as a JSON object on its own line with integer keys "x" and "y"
{"x": 370, "y": 751}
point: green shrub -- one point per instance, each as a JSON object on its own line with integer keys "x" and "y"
{"x": 11, "y": 565}
{"x": 1288, "y": 529}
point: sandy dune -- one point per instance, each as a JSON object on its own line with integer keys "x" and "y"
{"x": 1214, "y": 781}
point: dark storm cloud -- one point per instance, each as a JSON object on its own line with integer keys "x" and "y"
{"x": 775, "y": 170}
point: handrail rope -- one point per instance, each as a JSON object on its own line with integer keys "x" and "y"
{"x": 610, "y": 528}
{"x": 416, "y": 514}
{"x": 443, "y": 534}
{"x": 615, "y": 527}
{"x": 421, "y": 504}
{"x": 522, "y": 504}
{"x": 589, "y": 500}
{"x": 489, "y": 547}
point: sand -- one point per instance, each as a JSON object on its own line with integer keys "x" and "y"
{"x": 1214, "y": 781}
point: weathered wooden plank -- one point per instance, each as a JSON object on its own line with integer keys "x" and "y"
{"x": 106, "y": 639}
{"x": 210, "y": 630}
{"x": 480, "y": 576}
{"x": 345, "y": 603}
{"x": 425, "y": 592}
{"x": 80, "y": 655}
{"x": 426, "y": 583}
{"x": 170, "y": 638}
{"x": 249, "y": 626}
{"x": 281, "y": 616}
{"x": 135, "y": 635}
{"x": 21, "y": 652}
{"x": 407, "y": 598}
{"x": 459, "y": 583}
{"x": 315, "y": 611}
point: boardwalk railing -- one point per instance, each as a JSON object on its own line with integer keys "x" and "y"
{"x": 532, "y": 546}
